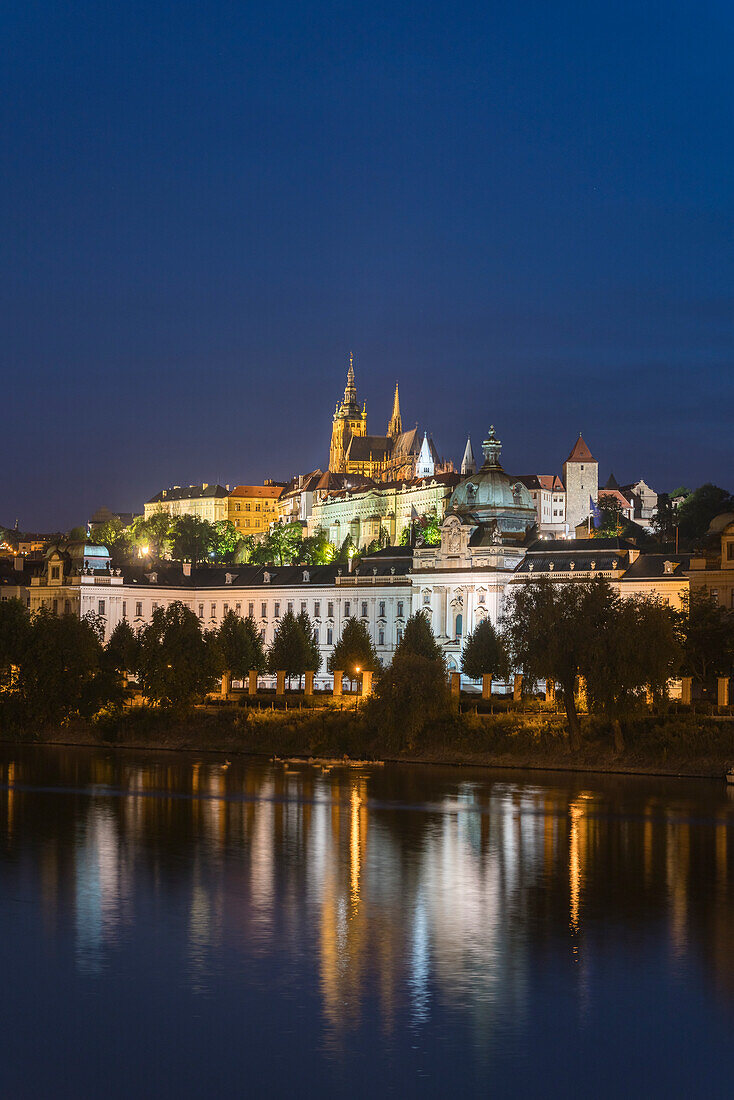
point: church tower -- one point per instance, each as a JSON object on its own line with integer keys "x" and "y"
{"x": 395, "y": 427}
{"x": 581, "y": 478}
{"x": 348, "y": 420}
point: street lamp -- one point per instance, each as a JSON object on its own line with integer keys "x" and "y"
{"x": 357, "y": 670}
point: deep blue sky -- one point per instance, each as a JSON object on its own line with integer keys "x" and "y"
{"x": 522, "y": 211}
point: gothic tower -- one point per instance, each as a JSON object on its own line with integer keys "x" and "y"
{"x": 395, "y": 427}
{"x": 348, "y": 420}
{"x": 581, "y": 478}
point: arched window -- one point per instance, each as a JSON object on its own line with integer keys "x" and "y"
{"x": 459, "y": 625}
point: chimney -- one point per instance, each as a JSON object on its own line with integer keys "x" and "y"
{"x": 18, "y": 563}
{"x": 187, "y": 569}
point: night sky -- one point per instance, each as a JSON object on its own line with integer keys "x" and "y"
{"x": 523, "y": 212}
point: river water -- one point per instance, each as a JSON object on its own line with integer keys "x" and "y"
{"x": 173, "y": 927}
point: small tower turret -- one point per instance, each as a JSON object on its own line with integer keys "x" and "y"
{"x": 395, "y": 426}
{"x": 468, "y": 465}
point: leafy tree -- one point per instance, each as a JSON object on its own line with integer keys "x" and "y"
{"x": 244, "y": 550}
{"x": 192, "y": 539}
{"x": 346, "y": 551}
{"x": 15, "y": 629}
{"x": 123, "y": 648}
{"x": 78, "y": 534}
{"x": 382, "y": 540}
{"x": 354, "y": 650}
{"x": 313, "y": 649}
{"x": 548, "y": 631}
{"x": 411, "y": 695}
{"x": 484, "y": 653}
{"x": 290, "y": 651}
{"x": 418, "y": 639}
{"x": 663, "y": 520}
{"x": 225, "y": 540}
{"x": 151, "y": 535}
{"x": 60, "y": 671}
{"x": 424, "y": 531}
{"x": 281, "y": 544}
{"x": 637, "y": 647}
{"x": 613, "y": 519}
{"x": 698, "y": 509}
{"x": 239, "y": 646}
{"x": 116, "y": 537}
{"x": 708, "y": 636}
{"x": 316, "y": 549}
{"x": 176, "y": 664}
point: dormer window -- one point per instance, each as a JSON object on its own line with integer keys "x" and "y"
{"x": 668, "y": 566}
{"x": 614, "y": 563}
{"x": 266, "y": 578}
{"x": 306, "y": 576}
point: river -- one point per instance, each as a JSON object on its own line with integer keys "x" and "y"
{"x": 173, "y": 926}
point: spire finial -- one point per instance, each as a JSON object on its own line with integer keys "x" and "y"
{"x": 395, "y": 426}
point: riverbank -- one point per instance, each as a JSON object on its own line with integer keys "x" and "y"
{"x": 673, "y": 746}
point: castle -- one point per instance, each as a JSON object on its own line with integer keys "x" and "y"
{"x": 395, "y": 456}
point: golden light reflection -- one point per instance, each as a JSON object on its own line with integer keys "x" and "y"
{"x": 11, "y": 797}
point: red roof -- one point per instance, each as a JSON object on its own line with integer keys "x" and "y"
{"x": 580, "y": 452}
{"x": 272, "y": 491}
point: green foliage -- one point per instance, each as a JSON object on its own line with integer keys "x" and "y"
{"x": 613, "y": 519}
{"x": 708, "y": 636}
{"x": 61, "y": 672}
{"x": 280, "y": 546}
{"x": 15, "y": 629}
{"x": 290, "y": 651}
{"x": 698, "y": 509}
{"x": 152, "y": 533}
{"x": 191, "y": 539}
{"x": 418, "y": 639}
{"x": 244, "y": 550}
{"x": 313, "y": 650}
{"x": 484, "y": 653}
{"x": 116, "y": 537}
{"x": 239, "y": 647}
{"x": 346, "y": 551}
{"x": 78, "y": 534}
{"x": 411, "y": 696}
{"x": 316, "y": 549}
{"x": 424, "y": 531}
{"x": 225, "y": 540}
{"x": 123, "y": 648}
{"x": 354, "y": 650}
{"x": 176, "y": 665}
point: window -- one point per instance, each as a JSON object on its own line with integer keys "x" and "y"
{"x": 124, "y": 609}
{"x": 236, "y": 507}
{"x": 226, "y": 608}
{"x": 155, "y": 606}
{"x": 364, "y": 609}
{"x": 213, "y": 611}
{"x": 330, "y": 610}
{"x": 316, "y": 636}
{"x": 263, "y": 610}
{"x": 382, "y": 609}
{"x": 347, "y": 608}
{"x": 303, "y": 605}
{"x": 262, "y": 635}
{"x": 459, "y": 625}
{"x": 290, "y": 607}
{"x": 715, "y": 595}
{"x": 329, "y": 636}
{"x": 400, "y": 609}
{"x": 139, "y": 610}
{"x": 400, "y": 635}
{"x": 277, "y": 609}
{"x": 481, "y": 597}
{"x": 238, "y": 608}
{"x": 247, "y": 506}
{"x": 381, "y": 637}
{"x": 317, "y": 609}
{"x": 55, "y": 572}
{"x": 730, "y": 551}
{"x": 55, "y": 606}
{"x": 201, "y": 610}
{"x": 251, "y": 610}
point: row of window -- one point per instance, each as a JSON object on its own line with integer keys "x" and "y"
{"x": 263, "y": 609}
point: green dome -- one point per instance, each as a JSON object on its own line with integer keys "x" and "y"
{"x": 491, "y": 496}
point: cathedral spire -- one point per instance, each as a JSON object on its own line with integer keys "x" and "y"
{"x": 395, "y": 426}
{"x": 468, "y": 465}
{"x": 350, "y": 390}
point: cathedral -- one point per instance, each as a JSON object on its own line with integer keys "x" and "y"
{"x": 395, "y": 456}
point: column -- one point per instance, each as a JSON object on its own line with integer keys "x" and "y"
{"x": 308, "y": 683}
{"x": 338, "y": 681}
{"x": 280, "y": 682}
{"x": 455, "y": 684}
{"x": 366, "y": 684}
{"x": 487, "y": 685}
{"x": 252, "y": 682}
{"x": 226, "y": 684}
{"x": 550, "y": 691}
{"x": 686, "y": 690}
{"x": 517, "y": 688}
{"x": 723, "y": 691}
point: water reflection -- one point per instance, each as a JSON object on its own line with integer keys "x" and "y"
{"x": 380, "y": 902}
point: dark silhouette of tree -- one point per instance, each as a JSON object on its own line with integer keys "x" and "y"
{"x": 698, "y": 509}
{"x": 354, "y": 650}
{"x": 152, "y": 533}
{"x": 289, "y": 651}
{"x": 15, "y": 628}
{"x": 418, "y": 639}
{"x": 708, "y": 636}
{"x": 192, "y": 539}
{"x": 123, "y": 648}
{"x": 176, "y": 665}
{"x": 313, "y": 650}
{"x": 484, "y": 653}
{"x": 239, "y": 647}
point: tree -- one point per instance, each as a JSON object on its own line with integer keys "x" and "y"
{"x": 346, "y": 551}
{"x": 15, "y": 629}
{"x": 60, "y": 671}
{"x": 116, "y": 537}
{"x": 225, "y": 540}
{"x": 637, "y": 647}
{"x": 354, "y": 650}
{"x": 698, "y": 509}
{"x": 176, "y": 664}
{"x": 316, "y": 549}
{"x": 123, "y": 648}
{"x": 244, "y": 550}
{"x": 708, "y": 636}
{"x": 418, "y": 639}
{"x": 78, "y": 534}
{"x": 411, "y": 695}
{"x": 151, "y": 535}
{"x": 484, "y": 653}
{"x": 192, "y": 539}
{"x": 239, "y": 646}
{"x": 281, "y": 544}
{"x": 548, "y": 631}
{"x": 313, "y": 650}
{"x": 424, "y": 531}
{"x": 613, "y": 519}
{"x": 290, "y": 651}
